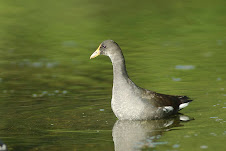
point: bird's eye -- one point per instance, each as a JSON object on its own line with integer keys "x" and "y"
{"x": 103, "y": 46}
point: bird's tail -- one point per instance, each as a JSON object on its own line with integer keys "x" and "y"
{"x": 184, "y": 101}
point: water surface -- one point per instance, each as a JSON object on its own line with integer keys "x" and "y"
{"x": 52, "y": 97}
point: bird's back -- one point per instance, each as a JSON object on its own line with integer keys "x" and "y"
{"x": 161, "y": 100}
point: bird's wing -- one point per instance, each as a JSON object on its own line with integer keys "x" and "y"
{"x": 163, "y": 100}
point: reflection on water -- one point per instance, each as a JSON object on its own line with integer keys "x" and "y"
{"x": 137, "y": 135}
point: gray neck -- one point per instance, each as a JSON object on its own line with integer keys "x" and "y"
{"x": 119, "y": 68}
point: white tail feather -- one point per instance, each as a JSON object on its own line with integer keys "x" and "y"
{"x": 183, "y": 105}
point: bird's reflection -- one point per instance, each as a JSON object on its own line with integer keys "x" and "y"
{"x": 136, "y": 135}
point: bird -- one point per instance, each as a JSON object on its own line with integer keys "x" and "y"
{"x": 131, "y": 102}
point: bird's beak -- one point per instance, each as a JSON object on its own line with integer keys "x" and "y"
{"x": 96, "y": 53}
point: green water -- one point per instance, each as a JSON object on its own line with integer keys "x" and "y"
{"x": 52, "y": 97}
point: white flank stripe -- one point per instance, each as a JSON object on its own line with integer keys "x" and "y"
{"x": 168, "y": 109}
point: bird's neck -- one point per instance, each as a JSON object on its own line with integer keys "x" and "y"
{"x": 119, "y": 69}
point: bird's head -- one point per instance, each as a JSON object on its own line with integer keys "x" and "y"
{"x": 107, "y": 48}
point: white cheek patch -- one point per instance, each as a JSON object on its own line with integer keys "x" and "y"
{"x": 168, "y": 109}
{"x": 183, "y": 105}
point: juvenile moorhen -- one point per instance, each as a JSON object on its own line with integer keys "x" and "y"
{"x": 131, "y": 102}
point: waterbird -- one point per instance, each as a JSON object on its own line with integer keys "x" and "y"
{"x": 131, "y": 102}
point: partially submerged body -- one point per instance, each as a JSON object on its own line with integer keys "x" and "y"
{"x": 130, "y": 102}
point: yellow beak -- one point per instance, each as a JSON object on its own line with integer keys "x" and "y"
{"x": 96, "y": 53}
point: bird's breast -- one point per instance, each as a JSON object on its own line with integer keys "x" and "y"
{"x": 126, "y": 104}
